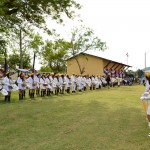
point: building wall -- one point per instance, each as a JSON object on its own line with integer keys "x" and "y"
{"x": 93, "y": 65}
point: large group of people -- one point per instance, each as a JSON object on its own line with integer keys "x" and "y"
{"x": 47, "y": 84}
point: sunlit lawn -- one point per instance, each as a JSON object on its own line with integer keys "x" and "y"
{"x": 106, "y": 119}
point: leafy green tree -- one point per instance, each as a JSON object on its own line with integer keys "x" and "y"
{"x": 17, "y": 16}
{"x": 14, "y": 60}
{"x": 36, "y": 45}
{"x": 14, "y": 13}
{"x": 55, "y": 54}
{"x": 84, "y": 39}
{"x": 45, "y": 69}
{"x": 139, "y": 73}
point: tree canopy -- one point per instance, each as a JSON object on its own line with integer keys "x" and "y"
{"x": 55, "y": 54}
{"x": 13, "y": 60}
{"x": 15, "y": 12}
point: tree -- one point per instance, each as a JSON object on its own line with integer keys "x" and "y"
{"x": 55, "y": 54}
{"x": 83, "y": 39}
{"x": 45, "y": 69}
{"x": 36, "y": 44}
{"x": 20, "y": 15}
{"x": 139, "y": 73}
{"x": 13, "y": 60}
{"x": 14, "y": 13}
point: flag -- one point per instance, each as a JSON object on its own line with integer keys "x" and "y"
{"x": 127, "y": 54}
{"x": 6, "y": 66}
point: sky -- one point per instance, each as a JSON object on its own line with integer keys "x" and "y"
{"x": 123, "y": 24}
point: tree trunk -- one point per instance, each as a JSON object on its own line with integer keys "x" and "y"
{"x": 33, "y": 62}
{"x": 79, "y": 65}
{"x": 21, "y": 60}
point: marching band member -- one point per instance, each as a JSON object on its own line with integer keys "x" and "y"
{"x": 21, "y": 85}
{"x": 55, "y": 84}
{"x": 93, "y": 82}
{"x": 147, "y": 90}
{"x": 48, "y": 87}
{"x": 79, "y": 81}
{"x": 99, "y": 81}
{"x": 84, "y": 83}
{"x": 8, "y": 86}
{"x": 73, "y": 83}
{"x": 51, "y": 83}
{"x": 68, "y": 83}
{"x": 113, "y": 73}
{"x": 60, "y": 80}
{"x": 96, "y": 82}
{"x": 146, "y": 97}
{"x": 43, "y": 85}
{"x": 106, "y": 71}
{"x": 63, "y": 84}
{"x": 37, "y": 80}
{"x": 32, "y": 85}
{"x": 108, "y": 79}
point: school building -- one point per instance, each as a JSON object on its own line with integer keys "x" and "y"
{"x": 89, "y": 64}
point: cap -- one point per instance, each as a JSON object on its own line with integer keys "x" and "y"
{"x": 7, "y": 73}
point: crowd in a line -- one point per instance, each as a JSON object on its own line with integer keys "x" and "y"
{"x": 47, "y": 84}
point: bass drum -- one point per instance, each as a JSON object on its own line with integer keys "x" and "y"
{"x": 1, "y": 86}
{"x": 4, "y": 92}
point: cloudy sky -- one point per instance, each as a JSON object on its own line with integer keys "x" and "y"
{"x": 123, "y": 24}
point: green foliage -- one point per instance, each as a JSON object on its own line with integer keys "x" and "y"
{"x": 139, "y": 73}
{"x": 54, "y": 55}
{"x": 14, "y": 60}
{"x": 83, "y": 39}
{"x": 15, "y": 12}
{"x": 36, "y": 42}
{"x": 45, "y": 69}
{"x": 25, "y": 15}
{"x": 2, "y": 46}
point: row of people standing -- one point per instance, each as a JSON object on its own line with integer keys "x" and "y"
{"x": 46, "y": 84}
{"x": 42, "y": 84}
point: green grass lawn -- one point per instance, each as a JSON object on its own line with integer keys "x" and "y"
{"x": 106, "y": 119}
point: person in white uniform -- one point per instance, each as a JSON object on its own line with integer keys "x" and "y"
{"x": 43, "y": 85}
{"x": 32, "y": 85}
{"x": 148, "y": 90}
{"x": 8, "y": 86}
{"x": 21, "y": 85}
{"x": 73, "y": 83}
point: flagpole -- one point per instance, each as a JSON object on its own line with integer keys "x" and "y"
{"x": 5, "y": 63}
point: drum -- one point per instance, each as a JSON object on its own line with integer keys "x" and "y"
{"x": 15, "y": 87}
{"x": 45, "y": 84}
{"x": 24, "y": 85}
{"x": 34, "y": 84}
{"x": 4, "y": 92}
{"x": 1, "y": 86}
